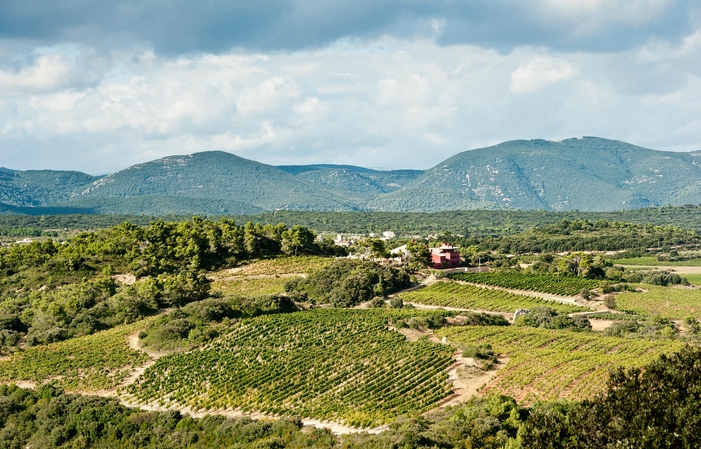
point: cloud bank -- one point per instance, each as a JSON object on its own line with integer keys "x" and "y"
{"x": 98, "y": 86}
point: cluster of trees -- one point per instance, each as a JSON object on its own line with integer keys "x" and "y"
{"x": 581, "y": 235}
{"x": 663, "y": 278}
{"x": 202, "y": 321}
{"x": 654, "y": 406}
{"x": 548, "y": 318}
{"x": 346, "y": 283}
{"x": 83, "y": 308}
{"x": 52, "y": 290}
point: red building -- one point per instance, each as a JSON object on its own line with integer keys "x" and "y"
{"x": 445, "y": 256}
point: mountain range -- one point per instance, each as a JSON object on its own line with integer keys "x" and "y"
{"x": 587, "y": 174}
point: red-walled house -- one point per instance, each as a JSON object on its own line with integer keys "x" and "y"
{"x": 445, "y": 256}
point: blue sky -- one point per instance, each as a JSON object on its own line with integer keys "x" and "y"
{"x": 98, "y": 86}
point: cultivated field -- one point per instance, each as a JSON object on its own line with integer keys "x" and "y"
{"x": 277, "y": 266}
{"x": 675, "y": 303}
{"x": 653, "y": 262}
{"x": 89, "y": 364}
{"x": 454, "y": 294}
{"x": 550, "y": 364}
{"x": 327, "y": 364}
{"x": 249, "y": 287}
{"x": 546, "y": 283}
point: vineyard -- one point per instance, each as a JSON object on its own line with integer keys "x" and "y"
{"x": 453, "y": 294}
{"x": 546, "y": 283}
{"x": 666, "y": 302}
{"x": 278, "y": 266}
{"x": 550, "y": 364}
{"x": 91, "y": 363}
{"x": 328, "y": 364}
{"x": 250, "y": 287}
{"x": 653, "y": 262}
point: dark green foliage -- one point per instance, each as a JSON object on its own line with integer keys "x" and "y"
{"x": 484, "y": 423}
{"x": 585, "y": 174}
{"x": 469, "y": 223}
{"x": 548, "y": 318}
{"x": 56, "y": 290}
{"x": 202, "y": 321}
{"x": 655, "y": 327}
{"x": 50, "y": 419}
{"x": 651, "y": 407}
{"x": 663, "y": 278}
{"x": 583, "y": 235}
{"x": 483, "y": 319}
{"x": 346, "y": 283}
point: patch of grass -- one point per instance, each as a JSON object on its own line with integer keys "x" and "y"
{"x": 674, "y": 303}
{"x": 694, "y": 279}
{"x": 653, "y": 262}
{"x": 250, "y": 287}
{"x": 277, "y": 266}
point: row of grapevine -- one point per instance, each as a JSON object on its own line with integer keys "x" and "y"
{"x": 454, "y": 294}
{"x": 550, "y": 364}
{"x": 90, "y": 363}
{"x": 329, "y": 364}
{"x": 546, "y": 283}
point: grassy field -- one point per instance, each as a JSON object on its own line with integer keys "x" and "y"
{"x": 546, "y": 283}
{"x": 453, "y": 294}
{"x": 694, "y": 279}
{"x": 667, "y": 302}
{"x": 330, "y": 364}
{"x": 91, "y": 363}
{"x": 653, "y": 262}
{"x": 550, "y": 364}
{"x": 250, "y": 287}
{"x": 277, "y": 266}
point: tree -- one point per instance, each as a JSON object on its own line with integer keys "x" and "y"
{"x": 419, "y": 252}
{"x": 297, "y": 238}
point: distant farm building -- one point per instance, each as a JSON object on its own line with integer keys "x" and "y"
{"x": 445, "y": 256}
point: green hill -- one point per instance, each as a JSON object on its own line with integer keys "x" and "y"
{"x": 40, "y": 187}
{"x": 584, "y": 174}
{"x": 587, "y": 174}
{"x": 221, "y": 176}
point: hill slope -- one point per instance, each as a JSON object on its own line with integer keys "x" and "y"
{"x": 585, "y": 174}
{"x": 40, "y": 187}
{"x": 221, "y": 176}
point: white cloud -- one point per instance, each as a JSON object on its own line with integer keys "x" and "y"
{"x": 268, "y": 95}
{"x": 50, "y": 72}
{"x": 389, "y": 102}
{"x": 538, "y": 73}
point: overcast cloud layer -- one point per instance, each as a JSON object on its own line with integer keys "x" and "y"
{"x": 97, "y": 86}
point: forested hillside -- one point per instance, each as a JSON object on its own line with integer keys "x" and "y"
{"x": 589, "y": 174}
{"x": 586, "y": 174}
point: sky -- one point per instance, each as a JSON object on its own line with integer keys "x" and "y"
{"x": 98, "y": 86}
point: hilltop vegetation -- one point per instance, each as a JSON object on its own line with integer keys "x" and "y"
{"x": 588, "y": 174}
{"x": 585, "y": 174}
{"x": 51, "y": 291}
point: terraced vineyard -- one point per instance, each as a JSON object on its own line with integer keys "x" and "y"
{"x": 453, "y": 294}
{"x": 667, "y": 302}
{"x": 329, "y": 364}
{"x": 91, "y": 363}
{"x": 546, "y": 283}
{"x": 250, "y": 287}
{"x": 550, "y": 364}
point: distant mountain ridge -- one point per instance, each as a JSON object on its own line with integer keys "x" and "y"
{"x": 588, "y": 174}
